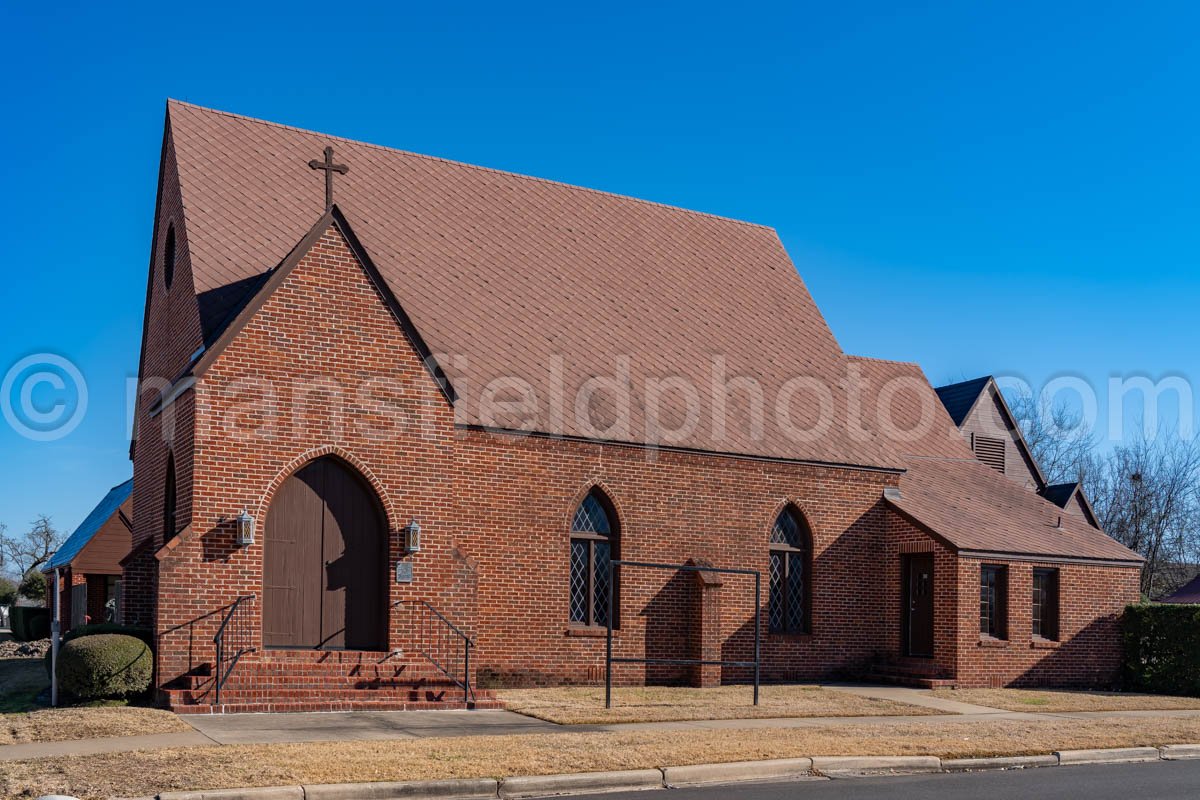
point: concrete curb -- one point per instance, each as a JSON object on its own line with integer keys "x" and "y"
{"x": 470, "y": 789}
{"x": 1120, "y": 755}
{"x": 257, "y": 793}
{"x": 1014, "y": 762}
{"x": 828, "y": 765}
{"x": 737, "y": 771}
{"x": 667, "y": 777}
{"x": 581, "y": 782}
{"x": 1180, "y": 752}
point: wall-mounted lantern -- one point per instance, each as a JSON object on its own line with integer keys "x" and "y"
{"x": 411, "y": 533}
{"x": 245, "y": 529}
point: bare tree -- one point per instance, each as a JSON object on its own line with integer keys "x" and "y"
{"x": 1147, "y": 496}
{"x": 20, "y": 554}
{"x": 1060, "y": 440}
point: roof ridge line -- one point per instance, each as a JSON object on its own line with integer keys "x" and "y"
{"x": 883, "y": 360}
{"x": 948, "y": 459}
{"x": 481, "y": 168}
{"x": 983, "y": 378}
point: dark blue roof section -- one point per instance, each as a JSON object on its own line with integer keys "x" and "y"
{"x": 959, "y": 398}
{"x": 1185, "y": 594}
{"x": 87, "y": 529}
{"x": 1060, "y": 493}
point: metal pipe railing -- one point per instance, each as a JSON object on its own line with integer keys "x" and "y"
{"x": 613, "y": 588}
{"x": 221, "y": 675}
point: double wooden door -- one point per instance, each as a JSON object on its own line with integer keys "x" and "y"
{"x": 325, "y": 562}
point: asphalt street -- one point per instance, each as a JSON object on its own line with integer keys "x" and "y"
{"x": 1164, "y": 780}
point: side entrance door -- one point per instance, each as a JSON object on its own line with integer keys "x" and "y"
{"x": 918, "y": 596}
{"x": 325, "y": 562}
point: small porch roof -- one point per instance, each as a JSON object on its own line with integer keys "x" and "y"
{"x": 91, "y": 525}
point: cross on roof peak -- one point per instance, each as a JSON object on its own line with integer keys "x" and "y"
{"x": 329, "y": 167}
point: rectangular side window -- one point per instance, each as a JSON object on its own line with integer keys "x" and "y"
{"x": 993, "y": 601}
{"x": 1045, "y": 604}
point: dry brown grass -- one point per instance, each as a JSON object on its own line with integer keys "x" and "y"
{"x": 20, "y": 681}
{"x": 22, "y": 678}
{"x": 63, "y": 724}
{"x": 581, "y": 705}
{"x": 147, "y": 772}
{"x": 1055, "y": 701}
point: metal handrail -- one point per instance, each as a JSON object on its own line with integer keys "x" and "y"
{"x": 222, "y": 674}
{"x": 468, "y": 643}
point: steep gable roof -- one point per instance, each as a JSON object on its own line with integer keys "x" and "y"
{"x": 960, "y": 398}
{"x": 517, "y": 277}
{"x": 1062, "y": 494}
{"x": 966, "y": 503}
{"x": 91, "y": 525}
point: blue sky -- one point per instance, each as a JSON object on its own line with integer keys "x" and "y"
{"x": 979, "y": 187}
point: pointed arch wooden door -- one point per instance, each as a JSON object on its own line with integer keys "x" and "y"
{"x": 325, "y": 562}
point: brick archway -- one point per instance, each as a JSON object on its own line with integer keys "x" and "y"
{"x": 389, "y": 508}
{"x": 325, "y": 553}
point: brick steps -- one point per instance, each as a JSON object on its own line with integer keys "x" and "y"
{"x": 910, "y": 680}
{"x": 438, "y": 693}
{"x": 308, "y": 680}
{"x": 333, "y": 706}
{"x": 914, "y": 672}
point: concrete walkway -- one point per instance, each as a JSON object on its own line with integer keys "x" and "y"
{"x": 913, "y": 697}
{"x": 361, "y": 726}
{"x": 220, "y": 729}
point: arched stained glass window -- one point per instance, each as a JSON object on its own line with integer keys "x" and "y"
{"x": 594, "y": 542}
{"x": 789, "y": 573}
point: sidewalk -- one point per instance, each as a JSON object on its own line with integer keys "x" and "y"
{"x": 221, "y": 729}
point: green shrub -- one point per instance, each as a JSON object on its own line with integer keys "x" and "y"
{"x": 8, "y": 592}
{"x": 33, "y": 585}
{"x": 109, "y": 627}
{"x": 106, "y": 665}
{"x": 28, "y": 623}
{"x": 145, "y": 634}
{"x": 1162, "y": 649}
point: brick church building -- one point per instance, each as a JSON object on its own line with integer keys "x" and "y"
{"x": 397, "y": 412}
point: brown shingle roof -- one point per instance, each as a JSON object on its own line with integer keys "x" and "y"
{"x": 507, "y": 275}
{"x": 968, "y": 504}
{"x": 977, "y": 509}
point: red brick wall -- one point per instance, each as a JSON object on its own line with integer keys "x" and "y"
{"x": 516, "y": 497}
{"x": 325, "y": 331}
{"x": 139, "y": 588}
{"x": 1088, "y": 652}
{"x": 303, "y": 379}
{"x": 172, "y": 335}
{"x": 908, "y": 538}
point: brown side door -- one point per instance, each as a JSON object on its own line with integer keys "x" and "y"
{"x": 324, "y": 562}
{"x": 919, "y": 599}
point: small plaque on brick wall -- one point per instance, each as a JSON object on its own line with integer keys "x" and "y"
{"x": 404, "y": 572}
